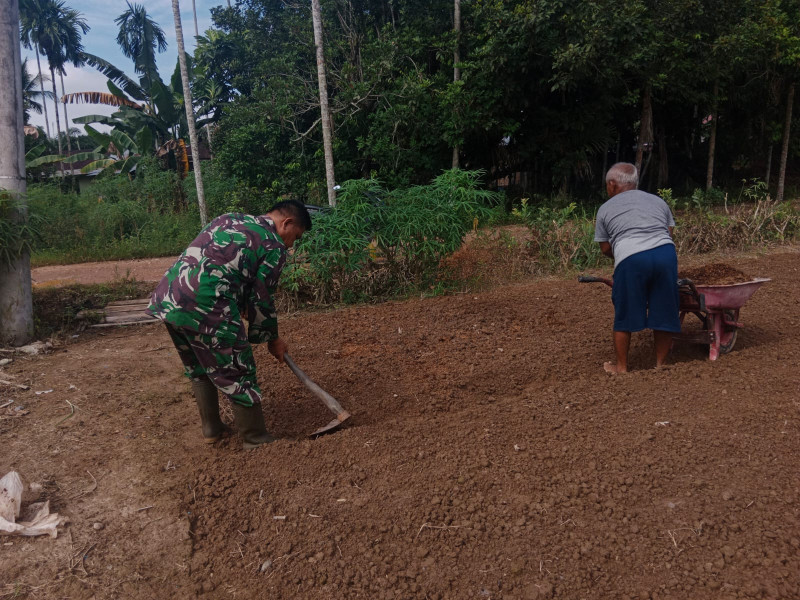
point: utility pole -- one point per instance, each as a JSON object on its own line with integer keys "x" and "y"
{"x": 327, "y": 143}
{"x": 16, "y": 307}
{"x": 187, "y": 101}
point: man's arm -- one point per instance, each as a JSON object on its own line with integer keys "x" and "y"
{"x": 261, "y": 312}
{"x": 601, "y": 234}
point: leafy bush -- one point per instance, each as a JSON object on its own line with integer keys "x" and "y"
{"x": 378, "y": 242}
{"x": 17, "y": 234}
{"x": 562, "y": 238}
{"x": 116, "y": 218}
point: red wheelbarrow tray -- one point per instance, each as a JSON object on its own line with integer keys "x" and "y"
{"x": 717, "y": 307}
{"x": 730, "y": 296}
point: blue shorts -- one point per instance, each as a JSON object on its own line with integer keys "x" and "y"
{"x": 645, "y": 292}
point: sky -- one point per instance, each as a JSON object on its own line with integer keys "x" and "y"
{"x": 101, "y": 40}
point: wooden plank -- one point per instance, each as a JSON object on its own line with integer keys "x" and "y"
{"x": 144, "y": 301}
{"x": 117, "y": 310}
{"x": 125, "y": 324}
{"x": 128, "y": 318}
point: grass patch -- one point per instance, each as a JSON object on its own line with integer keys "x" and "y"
{"x": 55, "y": 308}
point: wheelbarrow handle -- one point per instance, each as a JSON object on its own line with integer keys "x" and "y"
{"x": 698, "y": 297}
{"x": 326, "y": 398}
{"x": 591, "y": 279}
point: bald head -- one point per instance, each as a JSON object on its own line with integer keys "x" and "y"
{"x": 622, "y": 177}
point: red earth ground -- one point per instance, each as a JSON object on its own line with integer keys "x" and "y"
{"x": 143, "y": 269}
{"x": 488, "y": 457}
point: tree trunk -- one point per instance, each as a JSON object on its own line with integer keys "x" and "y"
{"x": 712, "y": 141}
{"x": 646, "y": 129}
{"x": 187, "y": 102}
{"x": 66, "y": 117}
{"x": 769, "y": 165}
{"x": 327, "y": 142}
{"x": 456, "y": 60}
{"x": 194, "y": 10}
{"x": 16, "y": 308}
{"x": 787, "y": 127}
{"x": 41, "y": 85}
{"x": 58, "y": 119}
{"x": 663, "y": 160}
{"x": 605, "y": 167}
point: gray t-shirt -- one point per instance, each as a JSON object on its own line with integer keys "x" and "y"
{"x": 633, "y": 221}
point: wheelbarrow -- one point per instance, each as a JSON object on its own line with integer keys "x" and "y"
{"x": 717, "y": 307}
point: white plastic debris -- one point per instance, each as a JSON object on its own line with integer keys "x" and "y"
{"x": 43, "y": 392}
{"x": 36, "y": 518}
{"x": 35, "y": 348}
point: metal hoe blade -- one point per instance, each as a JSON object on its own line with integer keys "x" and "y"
{"x": 332, "y": 426}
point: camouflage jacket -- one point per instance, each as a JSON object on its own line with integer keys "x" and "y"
{"x": 229, "y": 271}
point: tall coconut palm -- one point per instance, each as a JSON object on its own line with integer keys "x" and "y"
{"x": 187, "y": 97}
{"x": 327, "y": 135}
{"x": 139, "y": 38}
{"x": 74, "y": 55}
{"x": 33, "y": 99}
{"x": 31, "y": 14}
{"x": 56, "y": 30}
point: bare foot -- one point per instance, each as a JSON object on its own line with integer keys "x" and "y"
{"x": 612, "y": 368}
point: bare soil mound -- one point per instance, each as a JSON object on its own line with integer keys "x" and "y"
{"x": 715, "y": 274}
{"x": 488, "y": 457}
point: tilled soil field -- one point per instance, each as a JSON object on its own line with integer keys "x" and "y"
{"x": 489, "y": 456}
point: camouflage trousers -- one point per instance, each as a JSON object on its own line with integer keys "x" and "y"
{"x": 231, "y": 368}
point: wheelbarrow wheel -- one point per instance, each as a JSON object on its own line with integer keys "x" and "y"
{"x": 728, "y": 338}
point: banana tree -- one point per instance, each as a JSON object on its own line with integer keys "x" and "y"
{"x": 151, "y": 103}
{"x": 116, "y": 151}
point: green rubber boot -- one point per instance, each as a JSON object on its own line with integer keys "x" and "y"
{"x": 205, "y": 393}
{"x": 250, "y": 423}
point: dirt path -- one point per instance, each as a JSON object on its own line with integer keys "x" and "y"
{"x": 489, "y": 457}
{"x": 145, "y": 269}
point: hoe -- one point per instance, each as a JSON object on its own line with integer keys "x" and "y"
{"x": 341, "y": 414}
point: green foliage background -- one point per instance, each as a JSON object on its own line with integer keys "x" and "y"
{"x": 553, "y": 89}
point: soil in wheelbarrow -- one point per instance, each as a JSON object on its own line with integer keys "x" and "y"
{"x": 489, "y": 457}
{"x": 715, "y": 274}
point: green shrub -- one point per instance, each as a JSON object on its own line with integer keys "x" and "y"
{"x": 562, "y": 238}
{"x": 17, "y": 233}
{"x": 378, "y": 242}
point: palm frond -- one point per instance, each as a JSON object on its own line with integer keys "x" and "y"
{"x": 97, "y": 98}
{"x": 128, "y": 85}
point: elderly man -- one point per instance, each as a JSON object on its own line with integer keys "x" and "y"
{"x": 635, "y": 229}
{"x": 228, "y": 272}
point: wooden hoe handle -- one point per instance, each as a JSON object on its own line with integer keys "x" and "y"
{"x": 329, "y": 400}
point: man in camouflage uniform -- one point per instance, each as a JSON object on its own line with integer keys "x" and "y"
{"x": 229, "y": 272}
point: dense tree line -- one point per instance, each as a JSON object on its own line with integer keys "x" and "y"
{"x": 550, "y": 91}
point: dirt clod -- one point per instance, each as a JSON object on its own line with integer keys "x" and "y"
{"x": 715, "y": 274}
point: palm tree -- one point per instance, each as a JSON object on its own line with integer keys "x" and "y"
{"x": 74, "y": 55}
{"x": 30, "y": 17}
{"x": 139, "y": 38}
{"x": 33, "y": 99}
{"x": 327, "y": 143}
{"x": 187, "y": 96}
{"x": 56, "y": 30}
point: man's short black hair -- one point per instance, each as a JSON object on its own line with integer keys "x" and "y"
{"x": 296, "y": 209}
